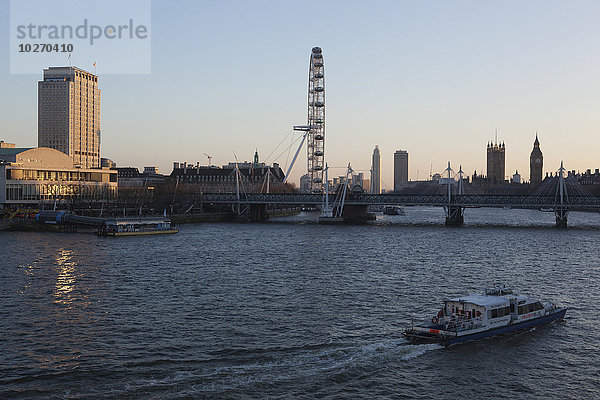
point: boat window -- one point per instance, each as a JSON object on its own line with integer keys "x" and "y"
{"x": 499, "y": 312}
{"x": 527, "y": 308}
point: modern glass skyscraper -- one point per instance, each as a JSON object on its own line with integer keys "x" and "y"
{"x": 69, "y": 114}
{"x": 376, "y": 172}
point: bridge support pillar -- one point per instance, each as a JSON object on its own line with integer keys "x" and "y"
{"x": 70, "y": 228}
{"x": 454, "y": 215}
{"x": 354, "y": 214}
{"x": 257, "y": 213}
{"x": 561, "y": 217}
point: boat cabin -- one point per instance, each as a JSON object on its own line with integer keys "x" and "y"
{"x": 497, "y": 306}
{"x": 480, "y": 309}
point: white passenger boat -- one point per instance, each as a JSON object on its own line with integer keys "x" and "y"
{"x": 136, "y": 226}
{"x": 495, "y": 312}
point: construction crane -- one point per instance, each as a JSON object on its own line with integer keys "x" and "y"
{"x": 209, "y": 159}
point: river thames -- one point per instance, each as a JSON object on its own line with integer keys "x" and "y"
{"x": 293, "y": 309}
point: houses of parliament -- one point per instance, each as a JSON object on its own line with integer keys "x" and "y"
{"x": 496, "y": 163}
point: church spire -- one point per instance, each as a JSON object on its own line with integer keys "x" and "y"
{"x": 537, "y": 142}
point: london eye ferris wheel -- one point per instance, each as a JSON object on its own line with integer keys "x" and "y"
{"x": 316, "y": 120}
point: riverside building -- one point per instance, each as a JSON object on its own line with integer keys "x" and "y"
{"x": 69, "y": 114}
{"x": 212, "y": 179}
{"x": 33, "y": 176}
{"x": 496, "y": 163}
{"x": 400, "y": 168}
{"x": 376, "y": 172}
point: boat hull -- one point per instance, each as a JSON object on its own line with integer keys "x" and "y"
{"x": 331, "y": 220}
{"x": 163, "y": 232}
{"x": 415, "y": 337}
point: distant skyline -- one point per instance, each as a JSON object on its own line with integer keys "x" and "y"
{"x": 433, "y": 78}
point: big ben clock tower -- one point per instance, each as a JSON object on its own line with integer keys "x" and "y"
{"x": 536, "y": 163}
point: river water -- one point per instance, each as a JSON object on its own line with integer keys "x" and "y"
{"x": 293, "y": 309}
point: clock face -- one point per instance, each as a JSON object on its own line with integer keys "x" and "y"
{"x": 538, "y": 161}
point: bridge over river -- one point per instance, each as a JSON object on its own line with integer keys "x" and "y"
{"x": 559, "y": 194}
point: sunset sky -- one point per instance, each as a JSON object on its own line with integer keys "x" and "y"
{"x": 435, "y": 78}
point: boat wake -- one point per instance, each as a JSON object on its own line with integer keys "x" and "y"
{"x": 300, "y": 364}
{"x": 254, "y": 370}
{"x": 417, "y": 350}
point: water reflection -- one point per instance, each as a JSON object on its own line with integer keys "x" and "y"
{"x": 65, "y": 282}
{"x": 29, "y": 271}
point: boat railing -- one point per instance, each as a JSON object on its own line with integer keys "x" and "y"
{"x": 462, "y": 323}
{"x": 548, "y": 308}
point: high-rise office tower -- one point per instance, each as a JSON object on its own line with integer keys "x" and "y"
{"x": 536, "y": 163}
{"x": 496, "y": 163}
{"x": 69, "y": 114}
{"x": 400, "y": 168}
{"x": 376, "y": 172}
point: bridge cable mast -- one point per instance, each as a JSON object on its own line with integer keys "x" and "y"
{"x": 460, "y": 180}
{"x": 305, "y": 129}
{"x": 454, "y": 212}
{"x": 326, "y": 210}
{"x": 561, "y": 210}
{"x": 239, "y": 190}
{"x": 268, "y": 178}
{"x": 237, "y": 187}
